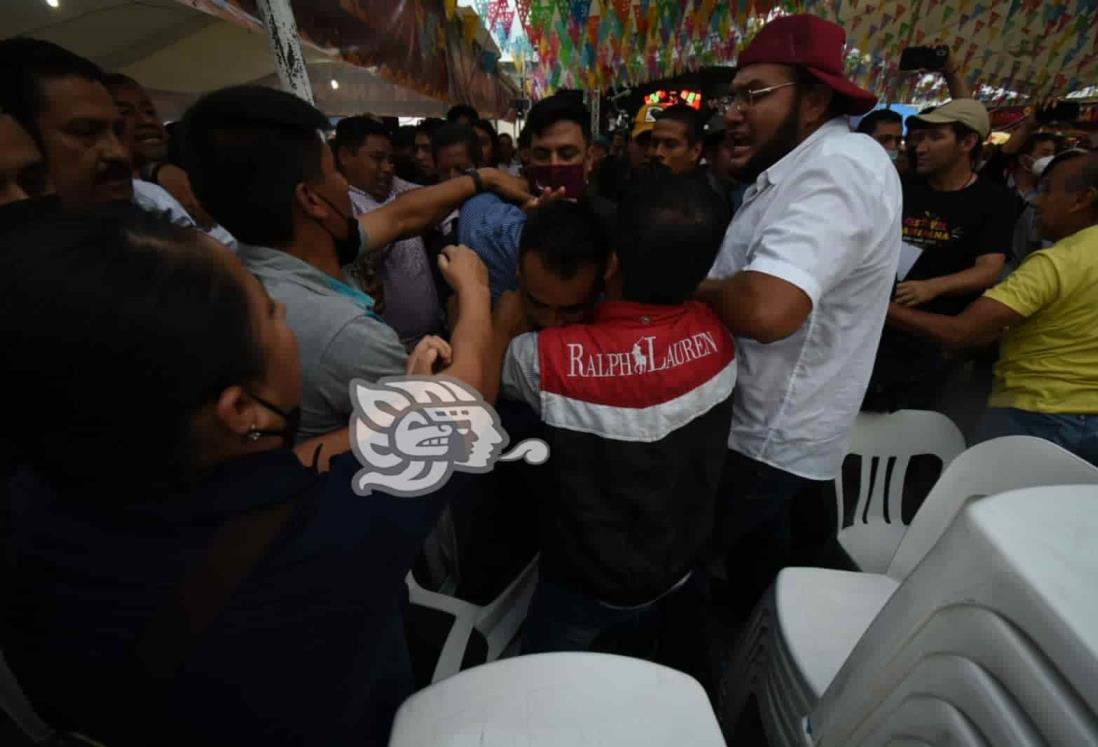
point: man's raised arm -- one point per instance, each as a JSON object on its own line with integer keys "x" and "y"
{"x": 417, "y": 210}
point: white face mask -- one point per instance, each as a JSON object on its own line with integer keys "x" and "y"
{"x": 1040, "y": 165}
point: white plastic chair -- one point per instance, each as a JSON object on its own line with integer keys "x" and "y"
{"x": 499, "y": 621}
{"x": 564, "y": 699}
{"x": 886, "y": 442}
{"x": 811, "y": 618}
{"x": 997, "y": 623}
{"x": 15, "y": 704}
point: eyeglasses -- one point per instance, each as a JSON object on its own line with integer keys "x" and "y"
{"x": 746, "y": 99}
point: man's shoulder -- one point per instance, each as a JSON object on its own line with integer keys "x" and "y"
{"x": 312, "y": 309}
{"x": 855, "y": 148}
{"x": 485, "y": 201}
{"x": 155, "y": 199}
{"x": 858, "y": 162}
{"x": 992, "y": 189}
{"x": 1080, "y": 247}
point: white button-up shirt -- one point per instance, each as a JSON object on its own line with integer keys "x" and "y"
{"x": 153, "y": 198}
{"x": 826, "y": 218}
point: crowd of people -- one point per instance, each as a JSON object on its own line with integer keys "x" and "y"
{"x": 691, "y": 313}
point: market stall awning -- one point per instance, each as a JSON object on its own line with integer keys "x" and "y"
{"x": 181, "y": 48}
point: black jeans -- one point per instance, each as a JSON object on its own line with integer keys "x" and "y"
{"x": 754, "y": 526}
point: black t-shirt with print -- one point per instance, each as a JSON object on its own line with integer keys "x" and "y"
{"x": 953, "y": 229}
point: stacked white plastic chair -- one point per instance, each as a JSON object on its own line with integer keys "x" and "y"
{"x": 992, "y": 640}
{"x": 886, "y": 443}
{"x": 499, "y": 621}
{"x": 560, "y": 700}
{"x": 15, "y": 704}
{"x": 811, "y": 618}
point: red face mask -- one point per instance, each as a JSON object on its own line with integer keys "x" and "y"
{"x": 571, "y": 177}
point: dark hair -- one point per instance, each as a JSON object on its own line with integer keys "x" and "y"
{"x": 1040, "y": 137}
{"x": 868, "y": 123}
{"x": 458, "y": 111}
{"x": 560, "y": 107}
{"x": 961, "y": 132}
{"x": 669, "y": 230}
{"x": 246, "y": 149}
{"x": 689, "y": 117}
{"x": 566, "y": 236}
{"x": 118, "y": 80}
{"x": 805, "y": 79}
{"x": 404, "y": 137}
{"x": 525, "y": 136}
{"x": 486, "y": 126}
{"x": 351, "y": 133}
{"x": 453, "y": 134}
{"x": 117, "y": 314}
{"x": 25, "y": 64}
{"x": 508, "y": 136}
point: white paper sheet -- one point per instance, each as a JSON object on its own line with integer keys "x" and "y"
{"x": 909, "y": 254}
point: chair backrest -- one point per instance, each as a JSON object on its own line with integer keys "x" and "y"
{"x": 996, "y": 466}
{"x": 15, "y": 704}
{"x": 996, "y": 624}
{"x": 886, "y": 443}
{"x": 557, "y": 699}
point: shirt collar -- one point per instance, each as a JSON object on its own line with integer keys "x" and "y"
{"x": 366, "y": 195}
{"x": 788, "y": 162}
{"x": 642, "y": 312}
{"x": 263, "y": 260}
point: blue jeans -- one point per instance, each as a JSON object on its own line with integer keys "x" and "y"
{"x": 563, "y": 618}
{"x": 670, "y": 631}
{"x": 1076, "y": 433}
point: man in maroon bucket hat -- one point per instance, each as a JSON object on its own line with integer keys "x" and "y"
{"x": 802, "y": 280}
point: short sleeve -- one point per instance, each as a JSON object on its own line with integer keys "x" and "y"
{"x": 521, "y": 371}
{"x": 828, "y": 219}
{"x": 364, "y": 349}
{"x": 1034, "y": 285}
{"x": 152, "y": 198}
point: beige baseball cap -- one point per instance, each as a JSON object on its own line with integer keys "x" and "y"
{"x": 646, "y": 119}
{"x": 969, "y": 112}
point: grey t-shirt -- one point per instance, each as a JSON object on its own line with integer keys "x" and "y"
{"x": 337, "y": 338}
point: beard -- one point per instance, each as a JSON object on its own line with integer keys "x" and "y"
{"x": 786, "y": 138}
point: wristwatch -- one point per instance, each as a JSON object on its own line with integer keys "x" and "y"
{"x": 477, "y": 181}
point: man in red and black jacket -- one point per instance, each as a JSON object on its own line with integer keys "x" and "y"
{"x": 636, "y": 401}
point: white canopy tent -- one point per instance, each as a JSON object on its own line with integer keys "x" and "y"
{"x": 179, "y": 53}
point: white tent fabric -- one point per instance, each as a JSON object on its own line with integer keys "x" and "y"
{"x": 178, "y": 53}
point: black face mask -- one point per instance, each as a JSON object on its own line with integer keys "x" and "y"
{"x": 28, "y": 212}
{"x": 347, "y": 248}
{"x": 289, "y": 429}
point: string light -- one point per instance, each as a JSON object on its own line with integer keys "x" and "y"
{"x": 335, "y": 84}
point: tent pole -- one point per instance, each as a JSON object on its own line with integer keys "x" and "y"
{"x": 278, "y": 16}
{"x": 596, "y": 115}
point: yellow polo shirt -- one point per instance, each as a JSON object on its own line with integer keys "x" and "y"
{"x": 1049, "y": 362}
